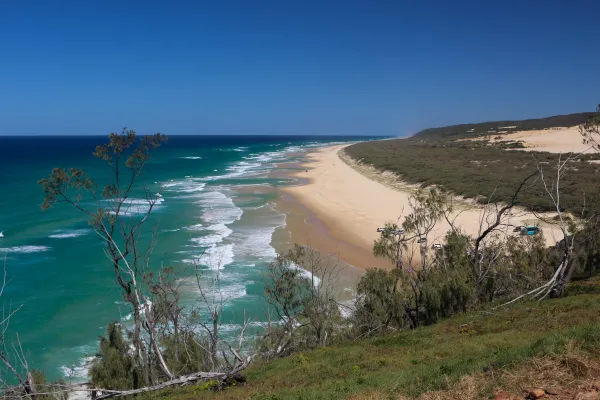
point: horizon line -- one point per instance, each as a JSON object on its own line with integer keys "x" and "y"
{"x": 205, "y": 134}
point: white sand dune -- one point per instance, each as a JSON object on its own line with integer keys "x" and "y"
{"x": 556, "y": 140}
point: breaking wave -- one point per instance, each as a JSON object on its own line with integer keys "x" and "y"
{"x": 24, "y": 249}
{"x": 66, "y": 234}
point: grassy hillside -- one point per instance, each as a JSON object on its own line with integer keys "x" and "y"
{"x": 472, "y": 130}
{"x": 552, "y": 342}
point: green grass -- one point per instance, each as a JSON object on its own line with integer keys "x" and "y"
{"x": 428, "y": 359}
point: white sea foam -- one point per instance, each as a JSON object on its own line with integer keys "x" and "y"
{"x": 195, "y": 227}
{"x": 233, "y": 291}
{"x": 79, "y": 371}
{"x": 65, "y": 234}
{"x": 218, "y": 208}
{"x": 254, "y": 162}
{"x": 191, "y": 186}
{"x": 215, "y": 257}
{"x": 234, "y": 329}
{"x": 134, "y": 201}
{"x": 220, "y": 229}
{"x": 208, "y": 240}
{"x": 192, "y": 158}
{"x": 242, "y": 167}
{"x": 226, "y": 290}
{"x": 254, "y": 243}
{"x": 134, "y": 206}
{"x": 266, "y": 157}
{"x": 194, "y": 260}
{"x": 257, "y": 243}
{"x": 188, "y": 185}
{"x": 240, "y": 148}
{"x": 24, "y": 249}
{"x": 218, "y": 257}
{"x": 307, "y": 274}
{"x": 234, "y": 171}
{"x": 129, "y": 316}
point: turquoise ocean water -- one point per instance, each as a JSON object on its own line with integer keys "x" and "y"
{"x": 216, "y": 210}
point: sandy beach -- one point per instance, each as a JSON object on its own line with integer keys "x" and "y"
{"x": 337, "y": 210}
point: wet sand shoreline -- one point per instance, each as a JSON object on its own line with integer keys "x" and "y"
{"x": 308, "y": 226}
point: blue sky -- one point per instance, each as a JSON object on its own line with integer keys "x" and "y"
{"x": 291, "y": 67}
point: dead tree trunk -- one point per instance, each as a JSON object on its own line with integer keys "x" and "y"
{"x": 555, "y": 287}
{"x": 181, "y": 381}
{"x": 477, "y": 252}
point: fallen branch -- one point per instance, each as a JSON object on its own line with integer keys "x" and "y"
{"x": 181, "y": 381}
